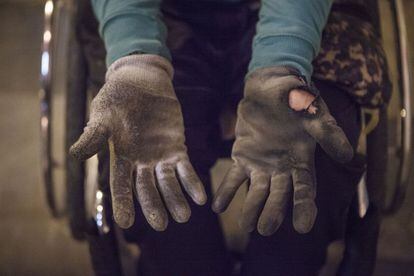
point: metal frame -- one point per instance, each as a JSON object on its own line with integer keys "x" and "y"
{"x": 406, "y": 113}
{"x": 94, "y": 201}
{"x": 45, "y": 109}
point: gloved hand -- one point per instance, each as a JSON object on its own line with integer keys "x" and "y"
{"x": 137, "y": 111}
{"x": 275, "y": 147}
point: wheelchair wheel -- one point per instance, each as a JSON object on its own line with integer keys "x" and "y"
{"x": 400, "y": 113}
{"x": 63, "y": 109}
{"x": 52, "y": 103}
{"x": 75, "y": 120}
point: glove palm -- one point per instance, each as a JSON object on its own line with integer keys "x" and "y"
{"x": 275, "y": 148}
{"x": 138, "y": 113}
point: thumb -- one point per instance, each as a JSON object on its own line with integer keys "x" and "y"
{"x": 329, "y": 135}
{"x": 93, "y": 138}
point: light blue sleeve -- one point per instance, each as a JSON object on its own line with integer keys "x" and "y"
{"x": 289, "y": 34}
{"x": 128, "y": 26}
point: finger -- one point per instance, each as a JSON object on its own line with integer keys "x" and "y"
{"x": 172, "y": 194}
{"x": 276, "y": 204}
{"x": 330, "y": 136}
{"x": 121, "y": 191}
{"x": 150, "y": 200}
{"x": 255, "y": 199}
{"x": 191, "y": 183}
{"x": 228, "y": 188}
{"x": 304, "y": 208}
{"x": 90, "y": 142}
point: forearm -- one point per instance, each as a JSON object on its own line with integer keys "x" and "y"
{"x": 131, "y": 26}
{"x": 289, "y": 34}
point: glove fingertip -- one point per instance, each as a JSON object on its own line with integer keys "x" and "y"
{"x": 88, "y": 144}
{"x": 304, "y": 216}
{"x": 158, "y": 220}
{"x": 200, "y": 199}
{"x": 267, "y": 226}
{"x": 246, "y": 226}
{"x": 217, "y": 207}
{"x": 124, "y": 220}
{"x": 160, "y": 226}
{"x": 182, "y": 216}
{"x": 266, "y": 232}
{"x": 347, "y": 154}
{"x": 76, "y": 152}
{"x": 343, "y": 153}
{"x": 80, "y": 152}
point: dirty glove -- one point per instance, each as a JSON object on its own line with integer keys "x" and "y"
{"x": 274, "y": 150}
{"x": 138, "y": 113}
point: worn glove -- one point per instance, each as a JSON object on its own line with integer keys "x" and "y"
{"x": 138, "y": 113}
{"x": 274, "y": 149}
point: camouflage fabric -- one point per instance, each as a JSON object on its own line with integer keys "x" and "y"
{"x": 351, "y": 56}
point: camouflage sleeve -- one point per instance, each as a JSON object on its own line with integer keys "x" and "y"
{"x": 352, "y": 57}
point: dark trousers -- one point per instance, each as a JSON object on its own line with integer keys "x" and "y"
{"x": 210, "y": 46}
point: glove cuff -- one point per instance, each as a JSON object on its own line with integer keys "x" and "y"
{"x": 275, "y": 71}
{"x": 148, "y": 63}
{"x": 261, "y": 75}
{"x": 150, "y": 73}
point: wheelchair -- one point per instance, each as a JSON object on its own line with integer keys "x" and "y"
{"x": 72, "y": 71}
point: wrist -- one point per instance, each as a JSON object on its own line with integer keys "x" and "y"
{"x": 283, "y": 51}
{"x": 148, "y": 73}
{"x": 283, "y": 83}
{"x": 141, "y": 63}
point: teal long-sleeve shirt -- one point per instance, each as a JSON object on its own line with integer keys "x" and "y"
{"x": 288, "y": 31}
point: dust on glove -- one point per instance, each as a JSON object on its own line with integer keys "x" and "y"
{"x": 274, "y": 150}
{"x": 138, "y": 113}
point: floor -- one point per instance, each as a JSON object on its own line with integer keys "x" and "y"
{"x": 31, "y": 242}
